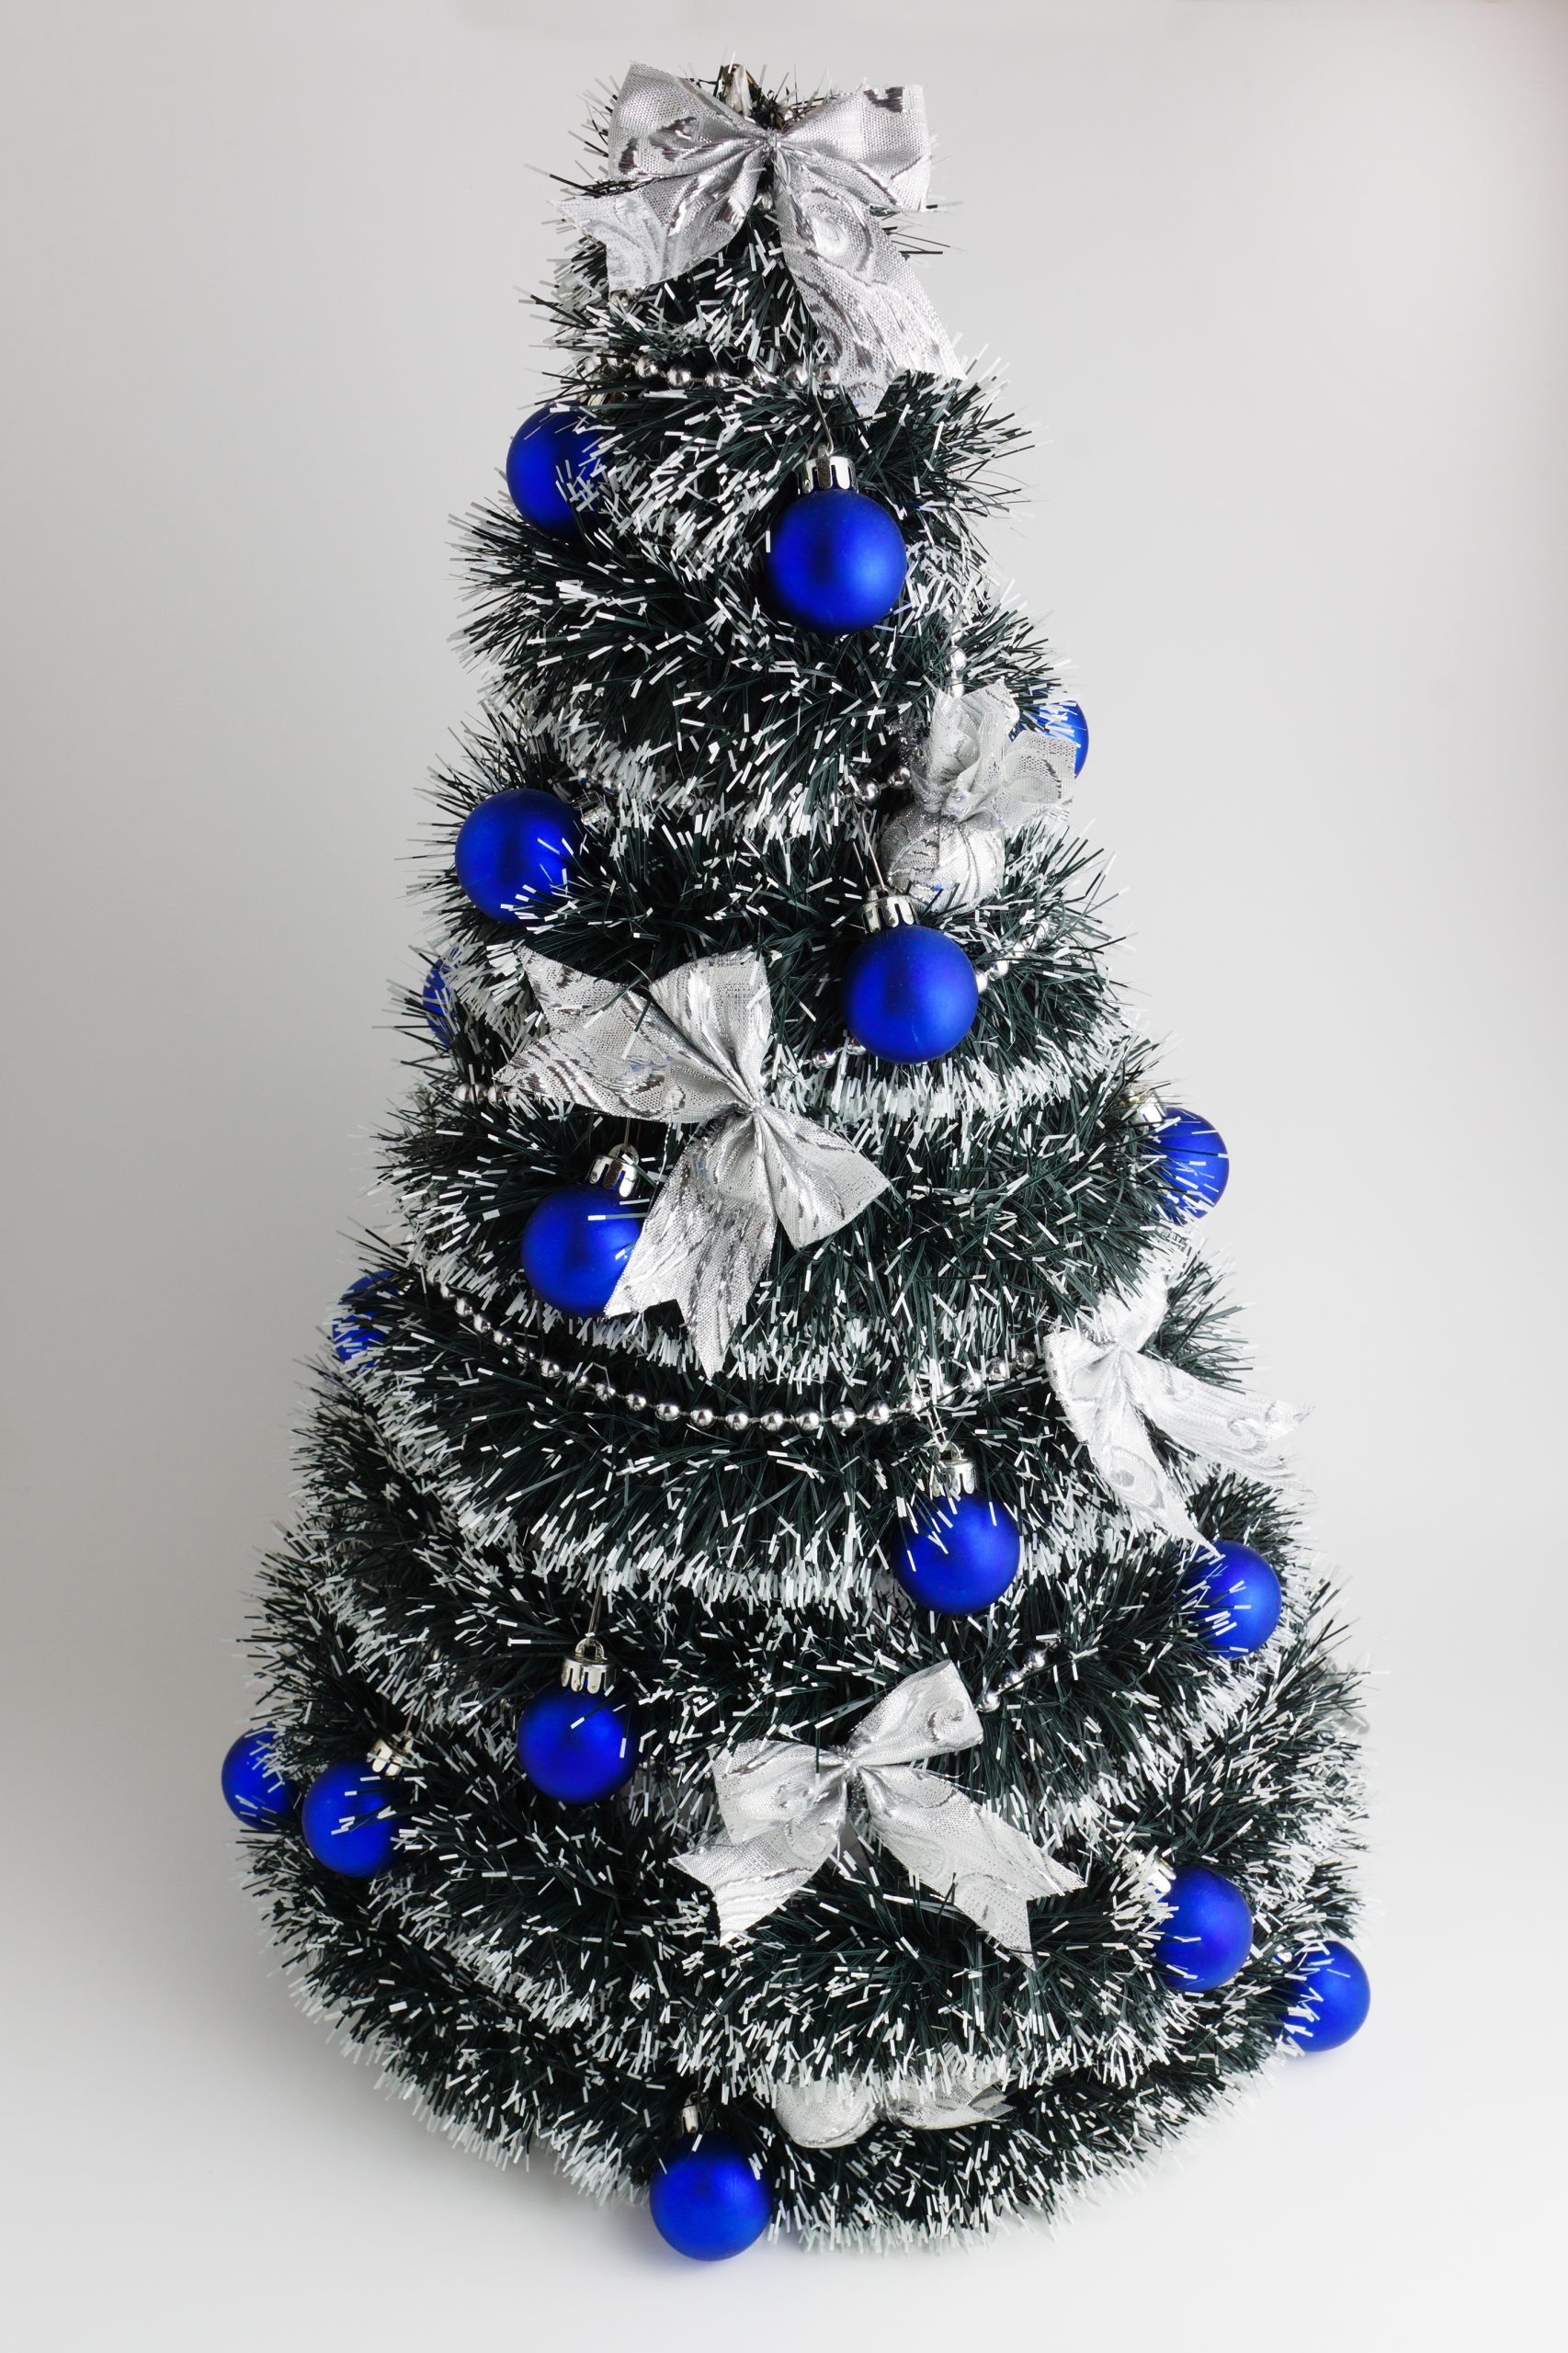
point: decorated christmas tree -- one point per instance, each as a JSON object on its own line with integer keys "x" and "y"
{"x": 796, "y": 1685}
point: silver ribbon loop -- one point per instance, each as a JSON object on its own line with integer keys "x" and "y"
{"x": 978, "y": 781}
{"x": 786, "y": 1810}
{"x": 1110, "y": 1393}
{"x": 694, "y": 169}
{"x": 690, "y": 1052}
{"x": 830, "y": 2112}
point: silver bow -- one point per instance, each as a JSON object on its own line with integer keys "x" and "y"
{"x": 829, "y": 2113}
{"x": 786, "y": 1812}
{"x": 691, "y": 1052}
{"x": 1110, "y": 1393}
{"x": 694, "y": 170}
{"x": 979, "y": 780}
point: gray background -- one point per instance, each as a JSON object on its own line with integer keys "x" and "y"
{"x": 1286, "y": 289}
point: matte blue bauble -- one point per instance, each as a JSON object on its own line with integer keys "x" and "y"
{"x": 835, "y": 561}
{"x": 513, "y": 848}
{"x": 910, "y": 993}
{"x": 356, "y": 1328}
{"x": 439, "y": 1005}
{"x": 1208, "y": 1931}
{"x": 252, "y": 1785}
{"x": 1327, "y": 1997}
{"x": 708, "y": 2200}
{"x": 960, "y": 1553}
{"x": 577, "y": 1745}
{"x": 577, "y": 1244}
{"x": 1066, "y": 721}
{"x": 348, "y": 1822}
{"x": 1193, "y": 1162}
{"x": 554, "y": 453}
{"x": 1237, "y": 1598}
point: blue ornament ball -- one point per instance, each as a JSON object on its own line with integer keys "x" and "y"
{"x": 513, "y": 848}
{"x": 357, "y": 1328}
{"x": 1065, "y": 720}
{"x": 835, "y": 561}
{"x": 1208, "y": 1931}
{"x": 910, "y": 993}
{"x": 348, "y": 1822}
{"x": 1326, "y": 1997}
{"x": 439, "y": 1005}
{"x": 254, "y": 1788}
{"x": 708, "y": 2200}
{"x": 1193, "y": 1161}
{"x": 961, "y": 1554}
{"x": 1237, "y": 1598}
{"x": 577, "y": 1745}
{"x": 550, "y": 468}
{"x": 575, "y": 1245}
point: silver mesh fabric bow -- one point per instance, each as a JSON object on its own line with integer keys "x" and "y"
{"x": 694, "y": 167}
{"x": 978, "y": 781}
{"x": 831, "y": 2112}
{"x": 1110, "y": 1393}
{"x": 786, "y": 1810}
{"x": 691, "y": 1052}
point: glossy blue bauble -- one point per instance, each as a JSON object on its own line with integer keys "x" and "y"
{"x": 1193, "y": 1161}
{"x": 910, "y": 993}
{"x": 348, "y": 1821}
{"x": 577, "y": 1745}
{"x": 835, "y": 561}
{"x": 959, "y": 1554}
{"x": 1327, "y": 1997}
{"x": 1237, "y": 1598}
{"x": 1208, "y": 1931}
{"x": 577, "y": 1244}
{"x": 356, "y": 1328}
{"x": 439, "y": 1005}
{"x": 513, "y": 848}
{"x": 552, "y": 460}
{"x": 708, "y": 2200}
{"x": 1067, "y": 721}
{"x": 253, "y": 1786}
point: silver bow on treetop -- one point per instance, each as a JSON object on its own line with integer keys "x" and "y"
{"x": 1110, "y": 1393}
{"x": 786, "y": 1810}
{"x": 694, "y": 167}
{"x": 690, "y": 1052}
{"x": 978, "y": 779}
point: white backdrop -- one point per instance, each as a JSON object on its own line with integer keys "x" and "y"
{"x": 1286, "y": 289}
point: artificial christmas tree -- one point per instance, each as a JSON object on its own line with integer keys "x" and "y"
{"x": 807, "y": 1695}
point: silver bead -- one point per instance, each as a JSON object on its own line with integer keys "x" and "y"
{"x": 997, "y": 1369}
{"x": 1024, "y": 1360}
{"x": 737, "y": 1420}
{"x": 636, "y": 1399}
{"x": 549, "y": 1368}
{"x": 666, "y": 1412}
{"x": 702, "y": 1417}
{"x": 809, "y": 1421}
{"x": 771, "y": 1422}
{"x": 1000, "y": 967}
{"x": 843, "y": 1417}
{"x": 677, "y": 376}
{"x": 603, "y": 1391}
{"x": 879, "y": 1414}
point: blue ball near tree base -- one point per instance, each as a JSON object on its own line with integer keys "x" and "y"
{"x": 1326, "y": 1995}
{"x": 513, "y": 848}
{"x": 708, "y": 2200}
{"x": 1237, "y": 1598}
{"x": 575, "y": 1245}
{"x": 1066, "y": 721}
{"x": 254, "y": 1788}
{"x": 554, "y": 454}
{"x": 836, "y": 563}
{"x": 961, "y": 1552}
{"x": 1208, "y": 1931}
{"x": 348, "y": 1821}
{"x": 577, "y": 1745}
{"x": 910, "y": 993}
{"x": 1193, "y": 1161}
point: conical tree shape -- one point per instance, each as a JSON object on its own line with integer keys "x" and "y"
{"x": 486, "y": 1478}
